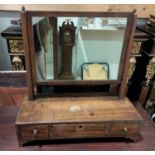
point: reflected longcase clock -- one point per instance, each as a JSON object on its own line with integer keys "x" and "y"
{"x": 66, "y": 41}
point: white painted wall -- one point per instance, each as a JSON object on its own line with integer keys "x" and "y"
{"x": 99, "y": 46}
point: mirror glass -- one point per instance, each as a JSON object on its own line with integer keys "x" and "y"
{"x": 97, "y": 49}
{"x": 88, "y": 48}
{"x": 43, "y": 43}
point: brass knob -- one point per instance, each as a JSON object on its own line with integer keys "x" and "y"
{"x": 125, "y": 129}
{"x": 35, "y": 132}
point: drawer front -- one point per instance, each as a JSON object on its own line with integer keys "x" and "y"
{"x": 124, "y": 129}
{"x": 34, "y": 132}
{"x": 80, "y": 130}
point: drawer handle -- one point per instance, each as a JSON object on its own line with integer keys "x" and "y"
{"x": 35, "y": 132}
{"x": 80, "y": 127}
{"x": 125, "y": 129}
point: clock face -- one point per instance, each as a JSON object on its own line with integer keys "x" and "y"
{"x": 67, "y": 37}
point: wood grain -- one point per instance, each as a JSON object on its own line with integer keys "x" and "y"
{"x": 79, "y": 117}
{"x": 27, "y": 55}
{"x": 8, "y": 138}
{"x": 74, "y": 118}
{"x": 143, "y": 95}
{"x": 80, "y": 130}
{"x": 11, "y": 96}
{"x": 27, "y": 132}
{"x": 124, "y": 61}
{"x": 142, "y": 10}
{"x": 58, "y": 110}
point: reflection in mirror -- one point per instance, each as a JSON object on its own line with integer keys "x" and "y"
{"x": 43, "y": 42}
{"x": 89, "y": 48}
{"x": 96, "y": 42}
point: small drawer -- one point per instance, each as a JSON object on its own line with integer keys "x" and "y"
{"x": 34, "y": 132}
{"x": 124, "y": 129}
{"x": 80, "y": 130}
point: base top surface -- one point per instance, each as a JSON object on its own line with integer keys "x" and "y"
{"x": 79, "y": 109}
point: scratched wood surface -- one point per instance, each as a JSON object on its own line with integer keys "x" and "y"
{"x": 76, "y": 109}
{"x": 8, "y": 138}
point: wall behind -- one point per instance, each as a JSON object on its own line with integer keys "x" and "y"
{"x": 5, "y": 18}
{"x": 142, "y": 10}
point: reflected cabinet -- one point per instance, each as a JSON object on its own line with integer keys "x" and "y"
{"x": 77, "y": 65}
{"x": 13, "y": 36}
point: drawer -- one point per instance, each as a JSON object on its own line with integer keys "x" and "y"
{"x": 34, "y": 132}
{"x": 124, "y": 129}
{"x": 80, "y": 130}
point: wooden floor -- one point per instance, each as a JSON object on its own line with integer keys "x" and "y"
{"x": 8, "y": 139}
{"x": 12, "y": 95}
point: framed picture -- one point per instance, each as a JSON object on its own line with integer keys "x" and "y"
{"x": 95, "y": 71}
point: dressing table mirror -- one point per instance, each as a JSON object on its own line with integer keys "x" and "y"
{"x": 77, "y": 65}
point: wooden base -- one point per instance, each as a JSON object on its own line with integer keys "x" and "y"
{"x": 135, "y": 138}
{"x": 80, "y": 117}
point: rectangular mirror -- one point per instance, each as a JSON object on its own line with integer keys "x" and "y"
{"x": 77, "y": 52}
{"x": 82, "y": 40}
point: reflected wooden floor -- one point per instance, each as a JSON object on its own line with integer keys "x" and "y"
{"x": 8, "y": 139}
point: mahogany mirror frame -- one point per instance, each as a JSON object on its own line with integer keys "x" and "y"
{"x": 28, "y": 39}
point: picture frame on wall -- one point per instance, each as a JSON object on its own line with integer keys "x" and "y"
{"x": 95, "y": 71}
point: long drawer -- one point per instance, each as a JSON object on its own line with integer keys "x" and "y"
{"x": 80, "y": 130}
